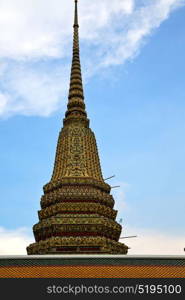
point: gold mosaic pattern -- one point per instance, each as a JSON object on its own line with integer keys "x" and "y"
{"x": 77, "y": 155}
{"x": 78, "y": 220}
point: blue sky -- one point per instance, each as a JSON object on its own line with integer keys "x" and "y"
{"x": 135, "y": 102}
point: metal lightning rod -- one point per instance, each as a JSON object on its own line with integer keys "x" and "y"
{"x": 128, "y": 237}
{"x": 110, "y": 177}
{"x": 117, "y": 186}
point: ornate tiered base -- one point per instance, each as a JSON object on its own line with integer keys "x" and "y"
{"x": 77, "y": 245}
{"x": 77, "y": 216}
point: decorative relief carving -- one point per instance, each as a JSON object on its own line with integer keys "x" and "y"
{"x": 77, "y": 155}
{"x": 77, "y": 193}
{"x": 80, "y": 207}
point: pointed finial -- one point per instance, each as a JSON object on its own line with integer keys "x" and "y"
{"x": 76, "y": 105}
{"x": 76, "y": 13}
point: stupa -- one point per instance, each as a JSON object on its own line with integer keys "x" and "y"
{"x": 77, "y": 213}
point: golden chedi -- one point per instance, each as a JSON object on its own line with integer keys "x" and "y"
{"x": 77, "y": 215}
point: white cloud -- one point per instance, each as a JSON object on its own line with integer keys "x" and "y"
{"x": 33, "y": 91}
{"x": 4, "y": 100}
{"x": 35, "y": 35}
{"x": 151, "y": 242}
{"x": 14, "y": 242}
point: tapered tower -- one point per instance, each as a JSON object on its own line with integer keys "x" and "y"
{"x": 77, "y": 214}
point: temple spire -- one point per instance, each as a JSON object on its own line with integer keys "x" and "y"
{"x": 77, "y": 214}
